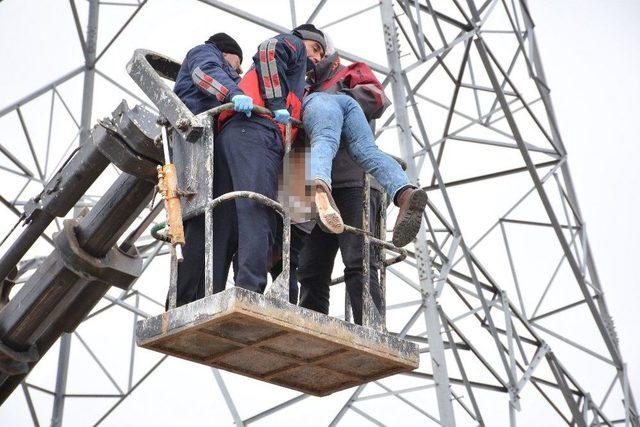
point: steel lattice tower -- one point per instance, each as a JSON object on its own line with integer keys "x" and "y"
{"x": 500, "y": 286}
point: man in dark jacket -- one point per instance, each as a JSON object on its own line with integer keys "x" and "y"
{"x": 320, "y": 249}
{"x": 208, "y": 77}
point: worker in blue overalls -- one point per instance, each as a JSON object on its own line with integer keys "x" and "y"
{"x": 248, "y": 155}
{"x": 208, "y": 77}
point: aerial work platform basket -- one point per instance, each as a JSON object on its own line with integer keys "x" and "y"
{"x": 261, "y": 336}
{"x": 271, "y": 340}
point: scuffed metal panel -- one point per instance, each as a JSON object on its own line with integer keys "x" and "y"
{"x": 139, "y": 125}
{"x": 192, "y": 176}
{"x": 147, "y": 69}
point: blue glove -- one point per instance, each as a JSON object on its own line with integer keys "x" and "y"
{"x": 282, "y": 116}
{"x": 242, "y": 104}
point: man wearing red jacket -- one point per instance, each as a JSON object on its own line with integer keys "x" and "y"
{"x": 248, "y": 155}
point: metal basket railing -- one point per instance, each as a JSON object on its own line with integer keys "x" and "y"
{"x": 148, "y": 69}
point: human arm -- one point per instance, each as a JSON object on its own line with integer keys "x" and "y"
{"x": 274, "y": 61}
{"x": 209, "y": 75}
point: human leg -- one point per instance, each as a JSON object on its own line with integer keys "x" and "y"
{"x": 254, "y": 153}
{"x": 349, "y": 201}
{"x": 315, "y": 268}
{"x": 323, "y": 121}
{"x": 362, "y": 147}
{"x": 190, "y": 284}
{"x": 225, "y": 222}
{"x": 298, "y": 238}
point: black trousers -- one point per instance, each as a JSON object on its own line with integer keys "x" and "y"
{"x": 247, "y": 156}
{"x": 298, "y": 239}
{"x": 190, "y": 285}
{"x": 316, "y": 259}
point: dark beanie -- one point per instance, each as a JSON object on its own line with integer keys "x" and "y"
{"x": 226, "y": 44}
{"x": 310, "y": 32}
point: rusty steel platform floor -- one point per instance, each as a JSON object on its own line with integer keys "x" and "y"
{"x": 273, "y": 341}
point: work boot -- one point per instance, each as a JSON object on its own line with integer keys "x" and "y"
{"x": 411, "y": 202}
{"x": 330, "y": 219}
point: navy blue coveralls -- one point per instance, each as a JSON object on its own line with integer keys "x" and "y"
{"x": 204, "y": 81}
{"x": 248, "y": 155}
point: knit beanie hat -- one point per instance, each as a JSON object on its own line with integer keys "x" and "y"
{"x": 310, "y": 32}
{"x": 226, "y": 44}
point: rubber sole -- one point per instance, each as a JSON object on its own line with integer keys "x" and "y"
{"x": 408, "y": 225}
{"x": 330, "y": 219}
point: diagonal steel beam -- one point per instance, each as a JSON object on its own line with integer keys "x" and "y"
{"x": 115, "y": 37}
{"x": 32, "y": 149}
{"x": 315, "y": 12}
{"x": 76, "y": 20}
{"x": 44, "y": 89}
{"x": 611, "y": 346}
{"x": 438, "y": 360}
{"x": 227, "y": 398}
{"x": 564, "y": 387}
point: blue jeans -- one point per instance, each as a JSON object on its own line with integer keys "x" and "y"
{"x": 326, "y": 118}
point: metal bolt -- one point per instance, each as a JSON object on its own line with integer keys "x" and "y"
{"x": 182, "y": 123}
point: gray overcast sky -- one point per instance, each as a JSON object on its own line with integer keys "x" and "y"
{"x": 590, "y": 54}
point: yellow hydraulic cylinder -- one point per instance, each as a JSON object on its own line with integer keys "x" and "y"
{"x": 168, "y": 187}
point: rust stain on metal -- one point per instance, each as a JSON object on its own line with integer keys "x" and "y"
{"x": 168, "y": 187}
{"x": 165, "y": 323}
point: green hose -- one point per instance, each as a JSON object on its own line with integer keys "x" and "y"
{"x": 155, "y": 232}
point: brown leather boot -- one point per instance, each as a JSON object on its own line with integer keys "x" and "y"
{"x": 330, "y": 219}
{"x": 411, "y": 202}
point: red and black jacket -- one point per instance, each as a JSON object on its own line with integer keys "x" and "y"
{"x": 277, "y": 77}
